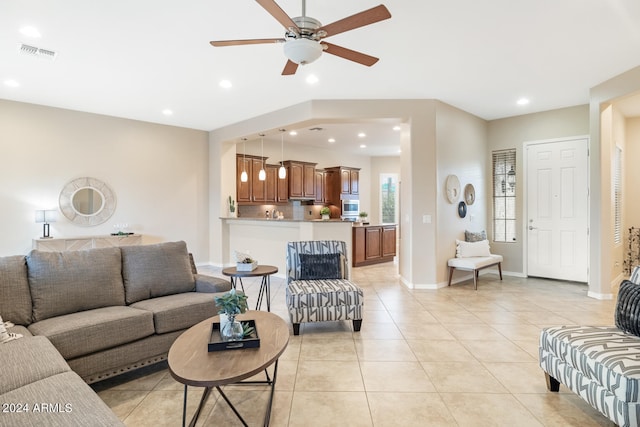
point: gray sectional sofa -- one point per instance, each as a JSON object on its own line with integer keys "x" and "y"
{"x": 94, "y": 314}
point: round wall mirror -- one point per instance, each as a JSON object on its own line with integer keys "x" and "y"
{"x": 87, "y": 201}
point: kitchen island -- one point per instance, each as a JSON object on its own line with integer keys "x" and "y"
{"x": 266, "y": 239}
{"x": 373, "y": 244}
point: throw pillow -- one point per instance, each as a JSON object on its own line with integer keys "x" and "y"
{"x": 7, "y": 336}
{"x": 319, "y": 266}
{"x": 472, "y": 249}
{"x": 474, "y": 236}
{"x": 627, "y": 314}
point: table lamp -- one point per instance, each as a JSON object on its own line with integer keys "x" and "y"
{"x": 46, "y": 216}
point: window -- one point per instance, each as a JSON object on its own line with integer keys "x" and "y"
{"x": 388, "y": 198}
{"x": 504, "y": 196}
{"x": 617, "y": 196}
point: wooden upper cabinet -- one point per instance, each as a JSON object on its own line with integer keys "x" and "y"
{"x": 345, "y": 181}
{"x": 301, "y": 177}
{"x": 258, "y": 187}
{"x": 271, "y": 184}
{"x": 319, "y": 182}
{"x": 354, "y": 181}
{"x": 243, "y": 189}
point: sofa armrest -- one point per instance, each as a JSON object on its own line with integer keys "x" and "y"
{"x": 210, "y": 284}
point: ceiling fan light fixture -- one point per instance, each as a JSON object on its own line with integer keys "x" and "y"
{"x": 302, "y": 51}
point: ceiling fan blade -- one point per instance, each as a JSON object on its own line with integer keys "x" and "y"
{"x": 221, "y": 43}
{"x": 290, "y": 68}
{"x": 277, "y": 12}
{"x": 349, "y": 54}
{"x": 370, "y": 16}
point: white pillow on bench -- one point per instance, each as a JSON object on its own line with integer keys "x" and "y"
{"x": 472, "y": 249}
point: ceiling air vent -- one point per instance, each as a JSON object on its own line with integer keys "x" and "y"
{"x": 39, "y": 52}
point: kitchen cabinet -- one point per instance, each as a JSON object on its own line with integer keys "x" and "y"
{"x": 373, "y": 244}
{"x": 344, "y": 184}
{"x": 302, "y": 182}
{"x": 272, "y": 190}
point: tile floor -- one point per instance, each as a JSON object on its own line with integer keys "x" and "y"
{"x": 451, "y": 357}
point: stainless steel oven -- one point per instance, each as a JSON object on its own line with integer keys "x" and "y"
{"x": 350, "y": 210}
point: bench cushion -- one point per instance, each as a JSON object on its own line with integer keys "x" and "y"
{"x": 323, "y": 293}
{"x": 474, "y": 263}
{"x": 89, "y": 331}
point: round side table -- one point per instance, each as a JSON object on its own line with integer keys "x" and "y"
{"x": 264, "y": 271}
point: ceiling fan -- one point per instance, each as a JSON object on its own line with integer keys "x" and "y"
{"x": 304, "y": 36}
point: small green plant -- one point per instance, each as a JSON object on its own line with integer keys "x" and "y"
{"x": 325, "y": 210}
{"x": 363, "y": 214}
{"x": 231, "y": 303}
{"x": 246, "y": 260}
{"x": 232, "y": 205}
{"x": 247, "y": 330}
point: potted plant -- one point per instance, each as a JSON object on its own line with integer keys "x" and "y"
{"x": 363, "y": 216}
{"x": 231, "y": 304}
{"x": 232, "y": 207}
{"x": 324, "y": 212}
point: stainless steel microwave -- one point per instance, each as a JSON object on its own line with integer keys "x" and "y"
{"x": 350, "y": 208}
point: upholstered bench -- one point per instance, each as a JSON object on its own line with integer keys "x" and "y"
{"x": 474, "y": 264}
{"x": 318, "y": 286}
{"x": 473, "y": 254}
{"x": 600, "y": 363}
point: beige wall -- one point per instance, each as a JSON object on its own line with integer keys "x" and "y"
{"x": 461, "y": 151}
{"x": 159, "y": 175}
{"x": 631, "y": 190}
{"x": 513, "y": 132}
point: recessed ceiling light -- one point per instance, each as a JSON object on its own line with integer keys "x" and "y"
{"x": 362, "y": 135}
{"x": 312, "y": 79}
{"x": 522, "y": 101}
{"x": 363, "y": 146}
{"x": 167, "y": 112}
{"x": 293, "y": 133}
{"x": 396, "y": 127}
{"x": 225, "y": 84}
{"x": 399, "y": 150}
{"x": 11, "y": 83}
{"x": 30, "y": 31}
{"x": 331, "y": 140}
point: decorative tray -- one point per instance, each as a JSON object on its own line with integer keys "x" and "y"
{"x": 216, "y": 342}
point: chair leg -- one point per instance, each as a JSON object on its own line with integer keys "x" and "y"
{"x": 475, "y": 279}
{"x": 552, "y": 383}
{"x": 296, "y": 329}
{"x": 357, "y": 324}
{"x": 450, "y": 274}
{"x": 500, "y": 269}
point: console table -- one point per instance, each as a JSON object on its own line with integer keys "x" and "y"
{"x": 87, "y": 242}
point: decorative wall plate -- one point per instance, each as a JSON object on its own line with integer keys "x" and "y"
{"x": 469, "y": 194}
{"x": 462, "y": 209}
{"x": 452, "y": 187}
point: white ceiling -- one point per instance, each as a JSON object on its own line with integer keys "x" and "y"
{"x": 134, "y": 59}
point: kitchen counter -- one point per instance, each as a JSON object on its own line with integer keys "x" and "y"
{"x": 265, "y": 239}
{"x": 373, "y": 244}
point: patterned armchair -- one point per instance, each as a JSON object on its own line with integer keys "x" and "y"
{"x": 318, "y": 285}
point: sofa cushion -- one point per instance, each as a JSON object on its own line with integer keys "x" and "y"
{"x": 151, "y": 271}
{"x": 15, "y": 297}
{"x": 89, "y": 331}
{"x": 63, "y": 400}
{"x": 27, "y": 360}
{"x": 320, "y": 266}
{"x": 627, "y": 313}
{"x": 72, "y": 281}
{"x": 179, "y": 311}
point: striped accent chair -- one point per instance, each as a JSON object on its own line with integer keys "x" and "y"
{"x": 600, "y": 363}
{"x": 318, "y": 286}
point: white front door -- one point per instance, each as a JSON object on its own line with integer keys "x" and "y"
{"x": 557, "y": 209}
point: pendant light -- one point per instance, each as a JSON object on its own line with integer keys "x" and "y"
{"x": 282, "y": 172}
{"x": 262, "y": 175}
{"x": 243, "y": 175}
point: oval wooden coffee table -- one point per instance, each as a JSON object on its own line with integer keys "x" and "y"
{"x": 191, "y": 364}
